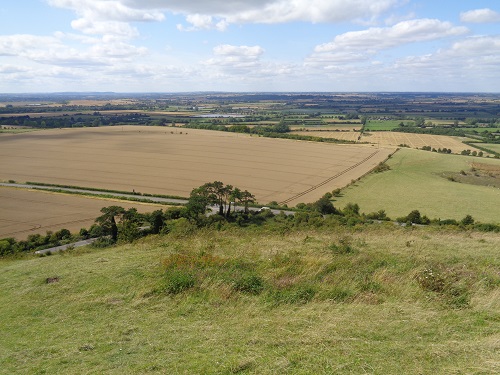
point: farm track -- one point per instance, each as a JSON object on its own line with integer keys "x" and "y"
{"x": 328, "y": 179}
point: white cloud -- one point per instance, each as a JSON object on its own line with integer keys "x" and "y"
{"x": 239, "y": 51}
{"x": 51, "y": 50}
{"x": 218, "y": 14}
{"x": 236, "y": 58}
{"x": 378, "y": 38}
{"x": 108, "y": 10}
{"x": 476, "y": 58}
{"x": 360, "y": 46}
{"x": 107, "y": 16}
{"x": 480, "y": 16}
{"x": 202, "y": 22}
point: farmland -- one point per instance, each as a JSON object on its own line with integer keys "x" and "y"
{"x": 174, "y": 161}
{"x": 395, "y": 139}
{"x": 418, "y": 180}
{"x": 25, "y": 212}
{"x": 416, "y": 140}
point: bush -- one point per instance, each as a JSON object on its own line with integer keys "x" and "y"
{"x": 343, "y": 247}
{"x": 102, "y": 242}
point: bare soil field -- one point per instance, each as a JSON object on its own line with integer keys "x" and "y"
{"x": 174, "y": 161}
{"x": 24, "y": 212}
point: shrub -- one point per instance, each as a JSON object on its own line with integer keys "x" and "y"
{"x": 381, "y": 167}
{"x": 343, "y": 246}
{"x": 102, "y": 242}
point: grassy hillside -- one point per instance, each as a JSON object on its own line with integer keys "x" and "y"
{"x": 382, "y": 300}
{"x": 417, "y": 180}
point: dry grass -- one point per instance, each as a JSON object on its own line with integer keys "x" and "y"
{"x": 174, "y": 161}
{"x": 25, "y": 212}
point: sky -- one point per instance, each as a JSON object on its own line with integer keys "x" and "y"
{"x": 249, "y": 45}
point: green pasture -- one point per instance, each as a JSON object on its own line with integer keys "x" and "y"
{"x": 490, "y": 146}
{"x": 374, "y": 125}
{"x": 416, "y": 182}
{"x": 385, "y": 300}
{"x": 481, "y": 130}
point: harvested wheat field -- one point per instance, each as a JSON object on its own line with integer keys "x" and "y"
{"x": 174, "y": 161}
{"x": 416, "y": 140}
{"x": 24, "y": 212}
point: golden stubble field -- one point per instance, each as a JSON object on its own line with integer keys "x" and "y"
{"x": 24, "y": 212}
{"x": 173, "y": 161}
{"x": 395, "y": 139}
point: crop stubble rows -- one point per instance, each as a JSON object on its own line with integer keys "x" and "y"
{"x": 174, "y": 161}
{"x": 25, "y": 212}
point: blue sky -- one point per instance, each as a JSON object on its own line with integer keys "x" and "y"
{"x": 257, "y": 45}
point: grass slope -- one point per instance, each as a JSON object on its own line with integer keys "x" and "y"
{"x": 416, "y": 181}
{"x": 331, "y": 301}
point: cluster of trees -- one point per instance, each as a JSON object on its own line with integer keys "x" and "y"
{"x": 116, "y": 224}
{"x": 443, "y": 150}
{"x": 36, "y": 242}
{"x": 472, "y": 153}
{"x": 261, "y": 129}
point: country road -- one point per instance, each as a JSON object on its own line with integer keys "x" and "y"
{"x": 152, "y": 199}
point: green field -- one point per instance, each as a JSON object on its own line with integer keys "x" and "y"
{"x": 374, "y": 125}
{"x": 480, "y": 130}
{"x": 490, "y": 146}
{"x": 416, "y": 181}
{"x": 385, "y": 300}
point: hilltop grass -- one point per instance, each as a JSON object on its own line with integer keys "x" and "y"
{"x": 416, "y": 181}
{"x": 382, "y": 300}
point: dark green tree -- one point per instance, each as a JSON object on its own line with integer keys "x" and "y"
{"x": 108, "y": 220}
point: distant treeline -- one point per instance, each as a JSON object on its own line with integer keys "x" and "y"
{"x": 93, "y": 120}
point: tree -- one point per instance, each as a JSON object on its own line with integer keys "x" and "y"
{"x": 157, "y": 221}
{"x": 414, "y": 217}
{"x": 419, "y": 121}
{"x": 108, "y": 222}
{"x": 467, "y": 220}
{"x": 247, "y": 198}
{"x": 324, "y": 205}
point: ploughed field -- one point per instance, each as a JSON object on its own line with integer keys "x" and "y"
{"x": 25, "y": 212}
{"x": 164, "y": 160}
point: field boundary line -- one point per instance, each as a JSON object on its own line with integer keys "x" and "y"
{"x": 328, "y": 179}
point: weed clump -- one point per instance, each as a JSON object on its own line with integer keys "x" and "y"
{"x": 343, "y": 246}
{"x": 177, "y": 281}
{"x": 446, "y": 283}
{"x": 249, "y": 283}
